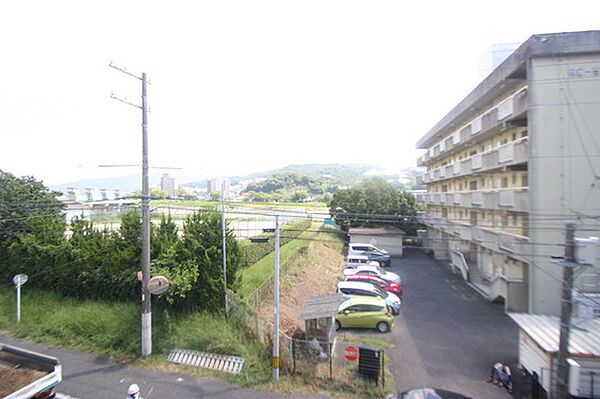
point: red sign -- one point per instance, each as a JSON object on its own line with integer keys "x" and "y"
{"x": 351, "y": 353}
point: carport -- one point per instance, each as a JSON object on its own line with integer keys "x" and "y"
{"x": 388, "y": 238}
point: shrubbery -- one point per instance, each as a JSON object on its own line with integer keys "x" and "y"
{"x": 103, "y": 264}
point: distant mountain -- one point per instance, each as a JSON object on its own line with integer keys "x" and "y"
{"x": 341, "y": 175}
{"x": 344, "y": 174}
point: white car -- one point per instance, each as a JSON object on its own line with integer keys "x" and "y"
{"x": 359, "y": 260}
{"x": 357, "y": 288}
{"x": 355, "y": 248}
{"x": 375, "y": 271}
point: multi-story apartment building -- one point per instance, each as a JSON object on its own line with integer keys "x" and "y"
{"x": 513, "y": 163}
{"x": 167, "y": 184}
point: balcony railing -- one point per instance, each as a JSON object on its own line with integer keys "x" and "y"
{"x": 513, "y": 153}
{"x": 512, "y": 199}
{"x": 512, "y": 106}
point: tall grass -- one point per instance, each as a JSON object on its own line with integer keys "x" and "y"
{"x": 255, "y": 275}
{"x": 113, "y": 329}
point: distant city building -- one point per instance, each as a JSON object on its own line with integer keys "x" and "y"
{"x": 495, "y": 56}
{"x": 215, "y": 184}
{"x": 92, "y": 194}
{"x": 167, "y": 184}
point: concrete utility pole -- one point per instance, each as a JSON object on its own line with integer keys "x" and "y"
{"x": 145, "y": 258}
{"x": 224, "y": 237}
{"x": 276, "y": 302}
{"x": 569, "y": 263}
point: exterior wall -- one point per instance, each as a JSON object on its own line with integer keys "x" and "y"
{"x": 541, "y": 107}
{"x": 390, "y": 243}
{"x": 564, "y": 121}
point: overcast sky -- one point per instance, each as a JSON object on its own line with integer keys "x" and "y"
{"x": 244, "y": 86}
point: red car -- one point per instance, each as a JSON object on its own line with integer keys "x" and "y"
{"x": 378, "y": 282}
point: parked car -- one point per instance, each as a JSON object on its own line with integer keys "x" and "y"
{"x": 374, "y": 271}
{"x": 428, "y": 393}
{"x": 372, "y": 252}
{"x": 364, "y": 312}
{"x": 359, "y": 260}
{"x": 377, "y": 282}
{"x": 356, "y": 248}
{"x": 357, "y": 288}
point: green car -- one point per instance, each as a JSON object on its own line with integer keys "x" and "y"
{"x": 364, "y": 312}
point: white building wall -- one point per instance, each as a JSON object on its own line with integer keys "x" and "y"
{"x": 564, "y": 126}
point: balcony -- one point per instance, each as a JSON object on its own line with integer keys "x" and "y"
{"x": 513, "y": 107}
{"x": 511, "y": 199}
{"x": 498, "y": 241}
{"x": 513, "y": 153}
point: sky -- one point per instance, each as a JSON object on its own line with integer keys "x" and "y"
{"x": 244, "y": 86}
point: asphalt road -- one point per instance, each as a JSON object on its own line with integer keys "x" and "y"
{"x": 447, "y": 336}
{"x": 89, "y": 376}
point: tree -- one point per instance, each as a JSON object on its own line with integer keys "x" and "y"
{"x": 28, "y": 207}
{"x": 299, "y": 196}
{"x": 32, "y": 226}
{"x": 159, "y": 194}
{"x": 375, "y": 196}
{"x": 215, "y": 196}
{"x": 201, "y": 248}
{"x": 182, "y": 194}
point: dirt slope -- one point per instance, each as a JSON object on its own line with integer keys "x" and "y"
{"x": 315, "y": 273}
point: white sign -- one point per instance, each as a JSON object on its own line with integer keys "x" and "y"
{"x": 19, "y": 279}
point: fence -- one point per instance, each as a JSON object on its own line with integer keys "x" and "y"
{"x": 260, "y": 328}
{"x": 297, "y": 355}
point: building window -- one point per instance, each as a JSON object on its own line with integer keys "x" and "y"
{"x": 473, "y": 217}
{"x": 524, "y": 180}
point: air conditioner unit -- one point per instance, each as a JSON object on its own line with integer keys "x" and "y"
{"x": 586, "y": 250}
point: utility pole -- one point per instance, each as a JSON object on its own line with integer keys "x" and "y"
{"x": 145, "y": 258}
{"x": 224, "y": 237}
{"x": 276, "y": 302}
{"x": 566, "y": 312}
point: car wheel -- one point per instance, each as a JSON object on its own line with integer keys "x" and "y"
{"x": 337, "y": 325}
{"x": 383, "y": 327}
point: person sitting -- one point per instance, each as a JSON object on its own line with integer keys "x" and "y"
{"x": 505, "y": 377}
{"x": 495, "y": 373}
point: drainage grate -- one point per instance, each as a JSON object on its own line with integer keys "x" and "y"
{"x": 230, "y": 364}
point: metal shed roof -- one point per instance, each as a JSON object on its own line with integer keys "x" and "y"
{"x": 584, "y": 340}
{"x": 321, "y": 306}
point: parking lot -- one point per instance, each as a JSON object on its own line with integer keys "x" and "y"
{"x": 447, "y": 336}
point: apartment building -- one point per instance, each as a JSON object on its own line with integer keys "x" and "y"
{"x": 513, "y": 163}
{"x": 167, "y": 184}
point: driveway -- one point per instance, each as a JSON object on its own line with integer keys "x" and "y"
{"x": 447, "y": 336}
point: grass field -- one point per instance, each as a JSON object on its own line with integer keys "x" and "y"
{"x": 253, "y": 276}
{"x": 113, "y": 330}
